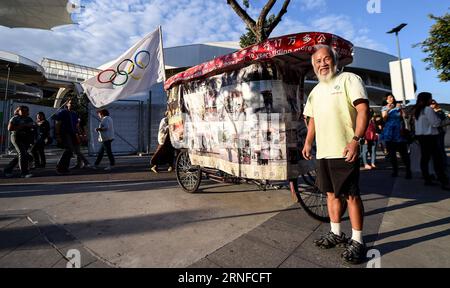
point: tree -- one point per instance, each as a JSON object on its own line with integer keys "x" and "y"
{"x": 261, "y": 28}
{"x": 249, "y": 38}
{"x": 437, "y": 46}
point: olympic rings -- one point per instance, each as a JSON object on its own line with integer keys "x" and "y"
{"x": 123, "y": 73}
{"x": 111, "y": 78}
{"x": 135, "y": 77}
{"x": 139, "y": 63}
{"x": 130, "y": 70}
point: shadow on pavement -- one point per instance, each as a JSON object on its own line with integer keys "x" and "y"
{"x": 389, "y": 247}
{"x": 75, "y": 188}
{"x": 111, "y": 228}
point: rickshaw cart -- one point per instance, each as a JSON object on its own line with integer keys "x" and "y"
{"x": 239, "y": 116}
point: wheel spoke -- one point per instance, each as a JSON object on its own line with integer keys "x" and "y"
{"x": 188, "y": 176}
{"x": 312, "y": 198}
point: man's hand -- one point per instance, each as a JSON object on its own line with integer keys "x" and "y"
{"x": 351, "y": 152}
{"x": 306, "y": 152}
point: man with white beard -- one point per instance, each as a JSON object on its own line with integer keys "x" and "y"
{"x": 338, "y": 114}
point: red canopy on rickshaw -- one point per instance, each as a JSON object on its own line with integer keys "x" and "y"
{"x": 293, "y": 48}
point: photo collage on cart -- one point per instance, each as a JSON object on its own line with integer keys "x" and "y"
{"x": 245, "y": 122}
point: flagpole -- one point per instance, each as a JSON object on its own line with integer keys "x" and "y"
{"x": 5, "y": 132}
{"x": 162, "y": 52}
{"x": 149, "y": 138}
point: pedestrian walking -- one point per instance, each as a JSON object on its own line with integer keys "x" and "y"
{"x": 165, "y": 152}
{"x": 42, "y": 138}
{"x": 66, "y": 129}
{"x": 21, "y": 127}
{"x": 105, "y": 137}
{"x": 82, "y": 161}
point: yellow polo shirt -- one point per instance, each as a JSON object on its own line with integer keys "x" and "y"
{"x": 331, "y": 106}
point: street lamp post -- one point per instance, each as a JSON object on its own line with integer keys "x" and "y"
{"x": 396, "y": 30}
{"x": 4, "y": 129}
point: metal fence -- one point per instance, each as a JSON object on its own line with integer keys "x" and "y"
{"x": 136, "y": 126}
{"x": 10, "y": 107}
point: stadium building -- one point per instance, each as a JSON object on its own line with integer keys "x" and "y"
{"x": 144, "y": 111}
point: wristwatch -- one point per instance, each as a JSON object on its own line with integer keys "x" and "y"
{"x": 360, "y": 140}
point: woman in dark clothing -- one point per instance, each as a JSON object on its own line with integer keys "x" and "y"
{"x": 426, "y": 124}
{"x": 43, "y": 134}
{"x": 22, "y": 136}
{"x": 443, "y": 116}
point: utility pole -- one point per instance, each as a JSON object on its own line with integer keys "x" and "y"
{"x": 396, "y": 30}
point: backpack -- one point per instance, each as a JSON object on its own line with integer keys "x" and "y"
{"x": 371, "y": 132}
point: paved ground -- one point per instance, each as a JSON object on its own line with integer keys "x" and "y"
{"x": 415, "y": 231}
{"x": 131, "y": 218}
{"x": 286, "y": 240}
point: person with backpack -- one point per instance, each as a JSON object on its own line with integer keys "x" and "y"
{"x": 370, "y": 144}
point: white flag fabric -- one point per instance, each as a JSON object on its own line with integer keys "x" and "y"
{"x": 133, "y": 72}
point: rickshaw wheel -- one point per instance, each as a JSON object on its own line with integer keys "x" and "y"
{"x": 188, "y": 176}
{"x": 311, "y": 199}
{"x": 310, "y": 177}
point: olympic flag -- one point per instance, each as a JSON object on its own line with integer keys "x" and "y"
{"x": 133, "y": 72}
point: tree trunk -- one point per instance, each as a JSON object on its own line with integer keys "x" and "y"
{"x": 259, "y": 28}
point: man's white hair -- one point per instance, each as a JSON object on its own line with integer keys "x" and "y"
{"x": 333, "y": 53}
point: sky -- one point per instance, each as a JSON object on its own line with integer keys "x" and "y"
{"x": 107, "y": 28}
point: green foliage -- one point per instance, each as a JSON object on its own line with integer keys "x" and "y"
{"x": 437, "y": 46}
{"x": 249, "y": 38}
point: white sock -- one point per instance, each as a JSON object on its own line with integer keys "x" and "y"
{"x": 357, "y": 236}
{"x": 336, "y": 228}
